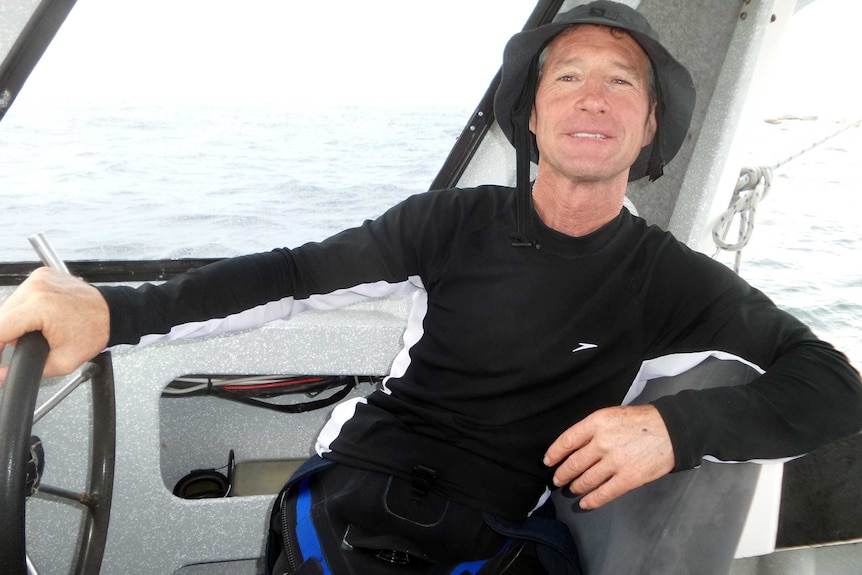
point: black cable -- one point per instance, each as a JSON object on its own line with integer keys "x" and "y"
{"x": 349, "y": 385}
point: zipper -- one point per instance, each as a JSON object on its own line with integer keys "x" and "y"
{"x": 508, "y": 558}
{"x": 288, "y": 538}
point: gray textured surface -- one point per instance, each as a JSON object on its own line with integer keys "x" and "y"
{"x": 159, "y": 441}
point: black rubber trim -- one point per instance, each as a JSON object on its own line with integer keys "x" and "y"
{"x": 108, "y": 271}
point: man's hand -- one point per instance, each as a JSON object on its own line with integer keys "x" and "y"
{"x": 611, "y": 452}
{"x": 71, "y": 314}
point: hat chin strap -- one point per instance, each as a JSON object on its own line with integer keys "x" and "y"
{"x": 655, "y": 164}
{"x": 655, "y": 167}
{"x": 522, "y": 139}
{"x": 524, "y": 190}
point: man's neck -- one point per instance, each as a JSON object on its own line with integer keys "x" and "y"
{"x": 577, "y": 208}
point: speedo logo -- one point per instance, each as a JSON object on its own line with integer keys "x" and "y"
{"x": 582, "y": 346}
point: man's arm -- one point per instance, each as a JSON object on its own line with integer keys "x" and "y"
{"x": 809, "y": 396}
{"x": 71, "y": 314}
{"x": 80, "y": 320}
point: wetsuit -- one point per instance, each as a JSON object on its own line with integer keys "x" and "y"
{"x": 506, "y": 347}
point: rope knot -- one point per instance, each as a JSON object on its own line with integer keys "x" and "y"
{"x": 751, "y": 187}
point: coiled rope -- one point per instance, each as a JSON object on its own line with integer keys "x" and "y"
{"x": 752, "y": 186}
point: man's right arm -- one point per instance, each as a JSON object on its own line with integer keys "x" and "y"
{"x": 201, "y": 301}
{"x": 379, "y": 258}
{"x": 80, "y": 320}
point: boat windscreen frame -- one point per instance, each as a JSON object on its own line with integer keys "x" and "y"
{"x": 29, "y": 47}
{"x": 40, "y": 30}
{"x": 483, "y": 117}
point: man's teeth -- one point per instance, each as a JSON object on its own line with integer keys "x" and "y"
{"x": 585, "y": 135}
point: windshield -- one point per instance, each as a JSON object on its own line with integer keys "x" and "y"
{"x": 164, "y": 129}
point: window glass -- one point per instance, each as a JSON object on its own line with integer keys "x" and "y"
{"x": 199, "y": 128}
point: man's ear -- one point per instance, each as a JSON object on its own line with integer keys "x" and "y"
{"x": 533, "y": 119}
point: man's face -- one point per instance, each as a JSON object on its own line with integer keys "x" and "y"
{"x": 592, "y": 114}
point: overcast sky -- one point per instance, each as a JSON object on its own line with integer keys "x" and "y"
{"x": 194, "y": 49}
{"x": 201, "y": 50}
{"x": 817, "y": 69}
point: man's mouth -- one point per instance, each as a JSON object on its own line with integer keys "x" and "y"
{"x": 588, "y": 135}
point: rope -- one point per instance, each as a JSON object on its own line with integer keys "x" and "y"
{"x": 752, "y": 186}
{"x": 815, "y": 144}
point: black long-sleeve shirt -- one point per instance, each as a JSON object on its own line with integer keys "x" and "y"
{"x": 506, "y": 347}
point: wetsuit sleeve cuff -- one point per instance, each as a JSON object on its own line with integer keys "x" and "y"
{"x": 685, "y": 438}
{"x": 122, "y": 307}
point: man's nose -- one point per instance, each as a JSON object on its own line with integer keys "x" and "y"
{"x": 592, "y": 96}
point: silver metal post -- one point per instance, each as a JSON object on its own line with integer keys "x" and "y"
{"x": 50, "y": 258}
{"x": 46, "y": 253}
{"x": 31, "y": 569}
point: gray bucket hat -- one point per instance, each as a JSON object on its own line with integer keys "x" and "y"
{"x": 513, "y": 101}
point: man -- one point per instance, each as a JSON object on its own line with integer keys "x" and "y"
{"x": 536, "y": 311}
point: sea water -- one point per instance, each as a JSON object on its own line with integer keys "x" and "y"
{"x": 806, "y": 251}
{"x": 141, "y": 182}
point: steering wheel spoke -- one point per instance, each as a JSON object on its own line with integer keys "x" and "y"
{"x": 85, "y": 499}
{"x": 89, "y": 370}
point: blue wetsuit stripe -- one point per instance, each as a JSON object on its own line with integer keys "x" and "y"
{"x": 471, "y": 567}
{"x": 306, "y": 535}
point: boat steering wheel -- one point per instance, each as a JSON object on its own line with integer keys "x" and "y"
{"x": 16, "y": 423}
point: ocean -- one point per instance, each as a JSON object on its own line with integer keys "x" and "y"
{"x": 143, "y": 181}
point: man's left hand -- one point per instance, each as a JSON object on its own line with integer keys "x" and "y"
{"x": 611, "y": 452}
